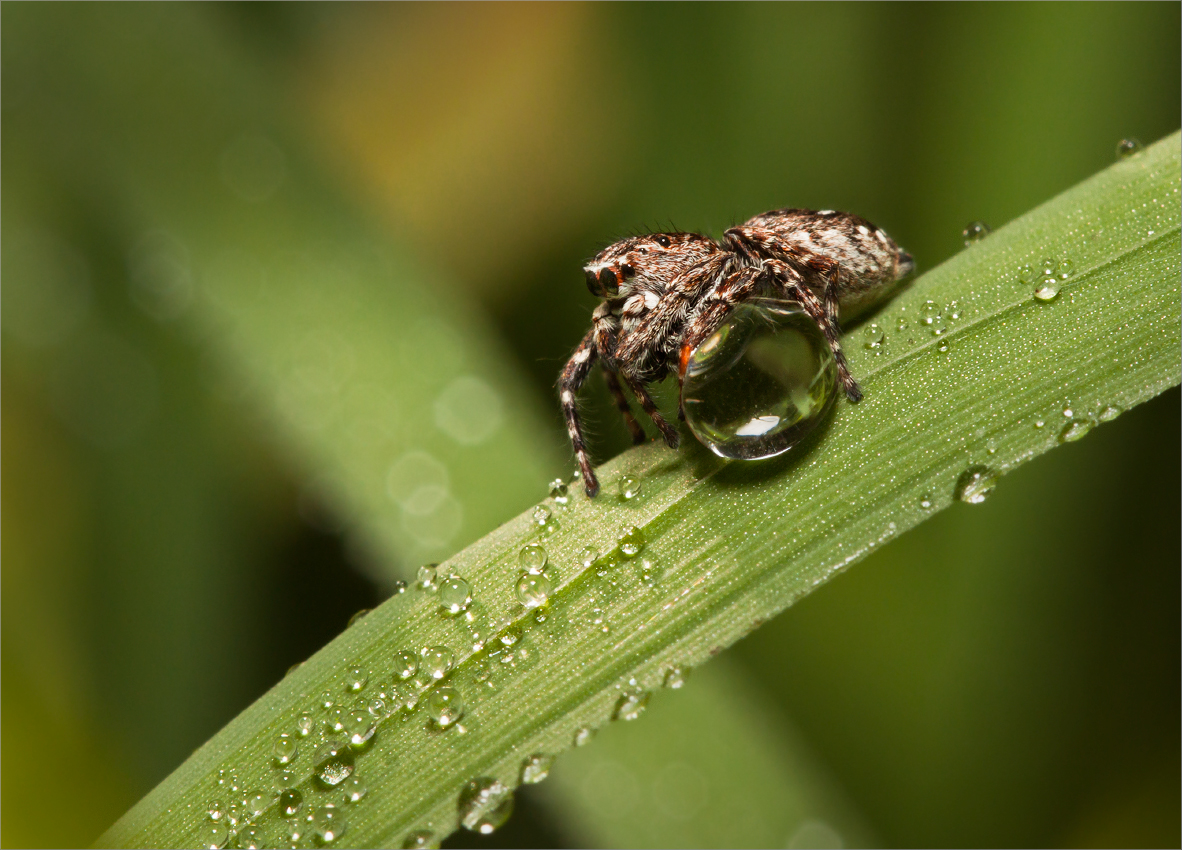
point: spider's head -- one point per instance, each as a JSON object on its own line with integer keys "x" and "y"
{"x": 649, "y": 261}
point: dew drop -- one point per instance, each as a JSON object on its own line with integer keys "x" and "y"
{"x": 455, "y": 595}
{"x": 1026, "y": 273}
{"x": 251, "y": 838}
{"x": 873, "y": 336}
{"x": 358, "y": 616}
{"x": 1047, "y": 290}
{"x": 587, "y": 556}
{"x": 536, "y": 768}
{"x": 1109, "y": 413}
{"x": 1066, "y": 269}
{"x": 356, "y": 679}
{"x": 541, "y": 515}
{"x": 422, "y": 840}
{"x": 305, "y": 723}
{"x": 756, "y": 386}
{"x": 901, "y": 325}
{"x": 290, "y": 802}
{"x": 285, "y": 748}
{"x": 405, "y": 665}
{"x": 435, "y": 661}
{"x": 354, "y": 790}
{"x": 1127, "y": 147}
{"x": 336, "y": 719}
{"x": 255, "y": 805}
{"x": 975, "y": 484}
{"x": 558, "y": 491}
{"x": 297, "y": 830}
{"x": 334, "y": 763}
{"x": 975, "y": 231}
{"x": 445, "y": 707}
{"x": 216, "y": 811}
{"x": 532, "y": 558}
{"x": 925, "y": 501}
{"x": 533, "y": 590}
{"x": 327, "y": 701}
{"x": 359, "y": 726}
{"x": 929, "y": 311}
{"x": 583, "y": 736}
{"x": 485, "y": 804}
{"x": 675, "y": 677}
{"x": 1049, "y": 266}
{"x": 629, "y": 488}
{"x": 399, "y": 586}
{"x": 632, "y": 542}
{"x": 215, "y": 836}
{"x": 952, "y": 311}
{"x": 427, "y": 575}
{"x": 328, "y": 823}
{"x": 1075, "y": 430}
{"x": 1038, "y": 423}
{"x": 631, "y": 706}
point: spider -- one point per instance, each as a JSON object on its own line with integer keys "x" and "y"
{"x": 664, "y": 293}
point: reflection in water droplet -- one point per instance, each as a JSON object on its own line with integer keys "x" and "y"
{"x": 445, "y": 706}
{"x": 760, "y": 383}
{"x": 873, "y": 336}
{"x": 1047, "y": 290}
{"x": 975, "y": 484}
{"x": 290, "y": 802}
{"x": 334, "y": 763}
{"x": 583, "y": 736}
{"x": 328, "y": 823}
{"x": 485, "y": 804}
{"x": 975, "y": 231}
{"x": 532, "y": 558}
{"x": 354, "y": 790}
{"x": 587, "y": 556}
{"x": 285, "y": 748}
{"x": 405, "y": 665}
{"x": 629, "y": 488}
{"x": 536, "y": 768}
{"x": 422, "y": 840}
{"x": 559, "y": 492}
{"x": 632, "y": 542}
{"x": 1075, "y": 430}
{"x": 1127, "y": 147}
{"x": 631, "y": 706}
{"x": 675, "y": 677}
{"x": 533, "y": 590}
{"x": 435, "y": 661}
{"x": 455, "y": 594}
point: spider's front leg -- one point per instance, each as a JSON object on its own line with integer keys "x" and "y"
{"x": 613, "y": 386}
{"x": 573, "y": 375}
{"x": 672, "y": 438}
{"x": 825, "y": 315}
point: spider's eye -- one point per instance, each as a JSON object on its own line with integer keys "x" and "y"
{"x": 663, "y": 241}
{"x": 593, "y": 283}
{"x": 608, "y": 282}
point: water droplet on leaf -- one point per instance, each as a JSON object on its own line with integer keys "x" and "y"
{"x": 675, "y": 677}
{"x": 1127, "y": 147}
{"x": 583, "y": 736}
{"x": 975, "y": 231}
{"x": 629, "y": 488}
{"x": 532, "y": 558}
{"x": 354, "y": 790}
{"x": 405, "y": 665}
{"x": 1047, "y": 290}
{"x": 290, "y": 802}
{"x": 631, "y": 706}
{"x": 285, "y": 748}
{"x": 334, "y": 763}
{"x": 435, "y": 661}
{"x": 558, "y": 491}
{"x": 632, "y": 542}
{"x": 485, "y": 804}
{"x": 455, "y": 594}
{"x": 1075, "y": 430}
{"x": 328, "y": 823}
{"x": 975, "y": 484}
{"x": 445, "y": 706}
{"x": 533, "y": 590}
{"x": 873, "y": 336}
{"x": 536, "y": 768}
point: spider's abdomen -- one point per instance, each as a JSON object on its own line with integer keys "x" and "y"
{"x": 824, "y": 245}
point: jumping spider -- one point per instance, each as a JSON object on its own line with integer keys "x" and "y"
{"x": 666, "y": 292}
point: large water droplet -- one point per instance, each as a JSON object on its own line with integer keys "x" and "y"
{"x": 290, "y": 802}
{"x": 533, "y": 590}
{"x": 632, "y": 542}
{"x": 631, "y": 706}
{"x": 1075, "y": 430}
{"x": 334, "y": 763}
{"x": 445, "y": 706}
{"x": 558, "y": 491}
{"x": 975, "y": 484}
{"x": 756, "y": 386}
{"x": 536, "y": 768}
{"x": 354, "y": 790}
{"x": 455, "y": 594}
{"x": 532, "y": 558}
{"x": 1127, "y": 147}
{"x": 405, "y": 665}
{"x": 435, "y": 661}
{"x": 485, "y": 804}
{"x": 975, "y": 231}
{"x": 285, "y": 749}
{"x": 328, "y": 823}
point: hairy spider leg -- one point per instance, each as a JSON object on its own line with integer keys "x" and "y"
{"x": 572, "y": 377}
{"x": 613, "y": 386}
{"x": 672, "y": 438}
{"x": 791, "y": 284}
{"x": 715, "y": 306}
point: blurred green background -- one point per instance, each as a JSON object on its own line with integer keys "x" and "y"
{"x": 246, "y": 247}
